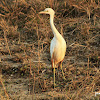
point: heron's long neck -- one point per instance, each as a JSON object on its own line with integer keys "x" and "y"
{"x": 55, "y": 32}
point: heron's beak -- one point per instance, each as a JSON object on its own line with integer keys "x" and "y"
{"x": 43, "y": 12}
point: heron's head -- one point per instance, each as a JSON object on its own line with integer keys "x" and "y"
{"x": 47, "y": 11}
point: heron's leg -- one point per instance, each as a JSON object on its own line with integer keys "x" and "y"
{"x": 53, "y": 69}
{"x": 62, "y": 70}
{"x": 54, "y": 76}
{"x": 53, "y": 66}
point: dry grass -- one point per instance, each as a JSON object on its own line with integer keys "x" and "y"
{"x": 25, "y": 68}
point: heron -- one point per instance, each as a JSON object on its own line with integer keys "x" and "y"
{"x": 58, "y": 44}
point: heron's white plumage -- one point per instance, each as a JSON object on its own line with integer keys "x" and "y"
{"x": 58, "y": 44}
{"x": 57, "y": 49}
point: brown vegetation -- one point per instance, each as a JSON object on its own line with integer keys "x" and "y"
{"x": 25, "y": 68}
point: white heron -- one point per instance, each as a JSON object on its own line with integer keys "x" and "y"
{"x": 58, "y": 44}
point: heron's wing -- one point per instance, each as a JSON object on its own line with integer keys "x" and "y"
{"x": 57, "y": 49}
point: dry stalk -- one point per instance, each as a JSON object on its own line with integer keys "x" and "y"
{"x": 5, "y": 29}
{"x": 4, "y": 88}
{"x": 51, "y": 2}
{"x": 38, "y": 48}
{"x": 33, "y": 87}
{"x": 61, "y": 30}
{"x": 7, "y": 42}
{"x": 2, "y": 98}
{"x": 88, "y": 67}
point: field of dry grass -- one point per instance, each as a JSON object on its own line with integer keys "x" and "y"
{"x": 25, "y": 67}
